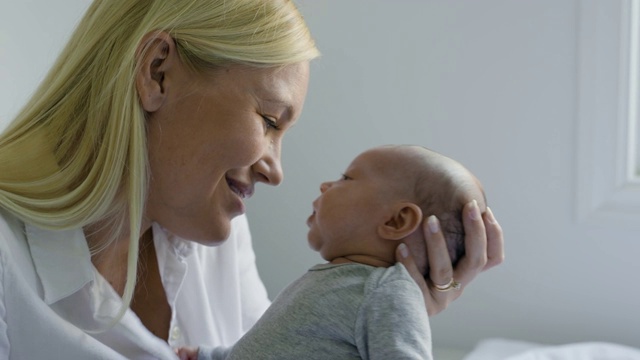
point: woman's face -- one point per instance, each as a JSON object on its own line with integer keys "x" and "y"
{"x": 213, "y": 139}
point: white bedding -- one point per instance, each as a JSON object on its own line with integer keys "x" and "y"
{"x": 504, "y": 349}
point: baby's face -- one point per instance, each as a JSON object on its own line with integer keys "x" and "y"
{"x": 348, "y": 211}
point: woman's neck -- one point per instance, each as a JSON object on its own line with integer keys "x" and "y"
{"x": 110, "y": 256}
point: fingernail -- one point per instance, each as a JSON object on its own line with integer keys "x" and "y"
{"x": 433, "y": 224}
{"x": 403, "y": 250}
{"x": 490, "y": 217}
{"x": 474, "y": 213}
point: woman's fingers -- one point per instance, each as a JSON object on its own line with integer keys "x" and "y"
{"x": 434, "y": 302}
{"x": 475, "y": 244}
{"x": 469, "y": 266}
{"x": 440, "y": 268}
{"x": 484, "y": 248}
{"x": 495, "y": 240}
{"x": 404, "y": 256}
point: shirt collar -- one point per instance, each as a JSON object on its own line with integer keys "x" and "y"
{"x": 178, "y": 246}
{"x": 62, "y": 261}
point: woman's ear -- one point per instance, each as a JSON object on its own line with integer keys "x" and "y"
{"x": 155, "y": 55}
{"x": 404, "y": 220}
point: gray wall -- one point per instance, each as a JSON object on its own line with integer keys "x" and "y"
{"x": 492, "y": 83}
{"x": 32, "y": 33}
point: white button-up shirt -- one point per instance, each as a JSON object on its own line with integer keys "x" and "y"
{"x": 53, "y": 302}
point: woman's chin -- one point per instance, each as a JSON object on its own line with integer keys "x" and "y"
{"x": 206, "y": 235}
{"x": 211, "y": 242}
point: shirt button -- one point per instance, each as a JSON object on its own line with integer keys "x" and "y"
{"x": 175, "y": 333}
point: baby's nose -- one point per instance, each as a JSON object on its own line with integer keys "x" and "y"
{"x": 325, "y": 186}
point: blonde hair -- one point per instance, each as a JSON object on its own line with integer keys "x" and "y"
{"x": 76, "y": 154}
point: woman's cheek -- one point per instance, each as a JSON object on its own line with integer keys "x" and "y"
{"x": 256, "y": 146}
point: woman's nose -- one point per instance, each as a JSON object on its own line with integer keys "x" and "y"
{"x": 269, "y": 167}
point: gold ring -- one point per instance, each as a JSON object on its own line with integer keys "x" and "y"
{"x": 452, "y": 284}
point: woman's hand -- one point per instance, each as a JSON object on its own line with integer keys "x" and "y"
{"x": 484, "y": 248}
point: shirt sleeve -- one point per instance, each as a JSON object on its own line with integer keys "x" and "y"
{"x": 393, "y": 323}
{"x": 254, "y": 297}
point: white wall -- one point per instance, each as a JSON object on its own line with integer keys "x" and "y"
{"x": 491, "y": 83}
{"x": 31, "y": 36}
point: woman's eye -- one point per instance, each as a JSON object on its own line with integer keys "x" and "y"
{"x": 270, "y": 123}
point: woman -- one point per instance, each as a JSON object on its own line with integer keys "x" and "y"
{"x": 152, "y": 128}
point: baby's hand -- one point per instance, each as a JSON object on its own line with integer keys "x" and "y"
{"x": 187, "y": 353}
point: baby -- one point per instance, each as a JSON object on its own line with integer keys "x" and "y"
{"x": 361, "y": 303}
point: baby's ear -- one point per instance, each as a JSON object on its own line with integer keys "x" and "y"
{"x": 405, "y": 218}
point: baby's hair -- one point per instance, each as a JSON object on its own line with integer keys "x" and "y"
{"x": 449, "y": 214}
{"x": 441, "y": 187}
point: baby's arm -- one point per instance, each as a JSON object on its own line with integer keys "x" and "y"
{"x": 202, "y": 353}
{"x": 187, "y": 353}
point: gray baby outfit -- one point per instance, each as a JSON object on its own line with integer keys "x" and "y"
{"x": 345, "y": 311}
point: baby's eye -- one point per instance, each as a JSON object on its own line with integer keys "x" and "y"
{"x": 345, "y": 177}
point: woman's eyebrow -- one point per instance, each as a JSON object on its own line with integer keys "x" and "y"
{"x": 288, "y": 109}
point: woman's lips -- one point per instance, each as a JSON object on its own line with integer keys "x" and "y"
{"x": 244, "y": 191}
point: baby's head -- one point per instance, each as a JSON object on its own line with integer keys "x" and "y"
{"x": 383, "y": 197}
{"x": 441, "y": 187}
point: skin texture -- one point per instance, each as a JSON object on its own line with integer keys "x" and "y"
{"x": 484, "y": 246}
{"x": 484, "y": 240}
{"x": 380, "y": 201}
{"x": 365, "y": 214}
{"x": 442, "y": 189}
{"x": 212, "y": 138}
{"x": 200, "y": 172}
{"x": 362, "y": 216}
